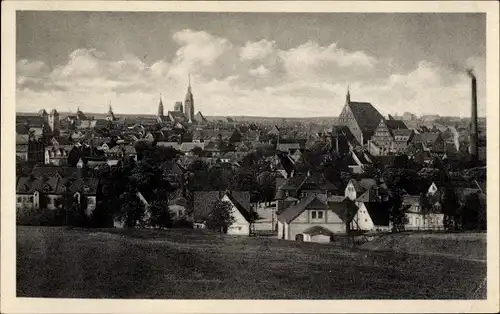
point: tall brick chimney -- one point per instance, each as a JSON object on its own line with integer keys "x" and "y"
{"x": 473, "y": 150}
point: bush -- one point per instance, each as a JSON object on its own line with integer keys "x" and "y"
{"x": 182, "y": 223}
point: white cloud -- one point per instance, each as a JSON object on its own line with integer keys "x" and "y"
{"x": 258, "y": 50}
{"x": 257, "y": 78}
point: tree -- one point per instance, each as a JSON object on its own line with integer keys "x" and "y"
{"x": 220, "y": 218}
{"x": 198, "y": 151}
{"x": 160, "y": 215}
{"x": 130, "y": 210}
{"x": 425, "y": 204}
{"x": 267, "y": 186}
{"x": 450, "y": 209}
{"x": 473, "y": 213}
{"x": 397, "y": 215}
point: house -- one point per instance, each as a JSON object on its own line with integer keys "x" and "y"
{"x": 199, "y": 118}
{"x": 383, "y": 138}
{"x": 431, "y": 141}
{"x": 356, "y": 161}
{"x": 57, "y": 155}
{"x": 361, "y": 118}
{"x": 316, "y": 218}
{"x": 415, "y": 217}
{"x": 204, "y": 201}
{"x": 365, "y": 190}
{"x": 287, "y": 147}
{"x": 29, "y": 148}
{"x": 283, "y": 164}
{"x": 371, "y": 216}
{"x": 274, "y": 132}
{"x": 43, "y": 191}
{"x": 187, "y": 147}
{"x": 120, "y": 152}
{"x": 243, "y": 224}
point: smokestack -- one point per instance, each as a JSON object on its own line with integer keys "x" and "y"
{"x": 473, "y": 123}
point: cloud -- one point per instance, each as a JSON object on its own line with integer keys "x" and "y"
{"x": 258, "y": 50}
{"x": 255, "y": 78}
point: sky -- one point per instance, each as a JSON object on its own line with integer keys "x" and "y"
{"x": 255, "y": 64}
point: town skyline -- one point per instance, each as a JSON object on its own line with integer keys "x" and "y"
{"x": 265, "y": 71}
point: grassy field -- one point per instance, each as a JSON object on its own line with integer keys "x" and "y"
{"x": 196, "y": 264}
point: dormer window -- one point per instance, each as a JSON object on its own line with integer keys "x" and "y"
{"x": 46, "y": 188}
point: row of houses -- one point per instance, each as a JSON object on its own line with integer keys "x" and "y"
{"x": 307, "y": 210}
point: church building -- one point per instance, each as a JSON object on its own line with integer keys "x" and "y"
{"x": 361, "y": 118}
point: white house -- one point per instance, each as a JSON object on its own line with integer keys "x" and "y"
{"x": 242, "y": 224}
{"x": 371, "y": 216}
{"x": 415, "y": 218}
{"x": 315, "y": 218}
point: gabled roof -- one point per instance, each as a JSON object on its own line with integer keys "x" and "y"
{"x": 242, "y": 209}
{"x": 177, "y": 116}
{"x": 368, "y": 196}
{"x": 294, "y": 182}
{"x": 395, "y": 125}
{"x": 379, "y": 213}
{"x": 293, "y": 211}
{"x": 366, "y": 115}
{"x": 426, "y": 138}
{"x": 49, "y": 170}
{"x": 22, "y": 139}
{"x": 188, "y": 146}
{"x": 402, "y": 132}
{"x": 345, "y": 209}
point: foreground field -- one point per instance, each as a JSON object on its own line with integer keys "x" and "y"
{"x": 184, "y": 264}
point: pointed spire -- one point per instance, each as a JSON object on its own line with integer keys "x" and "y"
{"x": 189, "y": 79}
{"x": 160, "y": 107}
{"x": 348, "y": 95}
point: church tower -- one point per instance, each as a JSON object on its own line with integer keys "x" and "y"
{"x": 54, "y": 121}
{"x": 110, "y": 116}
{"x": 160, "y": 111}
{"x": 189, "y": 103}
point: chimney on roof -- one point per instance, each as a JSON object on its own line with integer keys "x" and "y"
{"x": 473, "y": 150}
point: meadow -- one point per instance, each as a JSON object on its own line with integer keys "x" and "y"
{"x": 61, "y": 262}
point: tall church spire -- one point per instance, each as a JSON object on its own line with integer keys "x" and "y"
{"x": 160, "y": 107}
{"x": 348, "y": 96}
{"x": 189, "y": 102}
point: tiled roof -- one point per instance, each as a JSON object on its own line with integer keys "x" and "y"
{"x": 33, "y": 121}
{"x": 395, "y": 125}
{"x": 402, "y": 132}
{"x": 379, "y": 213}
{"x": 426, "y": 138}
{"x": 203, "y": 202}
{"x": 241, "y": 208}
{"x": 366, "y": 115}
{"x": 46, "y": 170}
{"x": 188, "y": 146}
{"x": 177, "y": 116}
{"x": 22, "y": 139}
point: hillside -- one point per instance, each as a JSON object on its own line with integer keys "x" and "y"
{"x": 196, "y": 264}
{"x": 461, "y": 245}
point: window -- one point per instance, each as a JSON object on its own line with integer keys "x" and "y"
{"x": 19, "y": 199}
{"x": 317, "y": 214}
